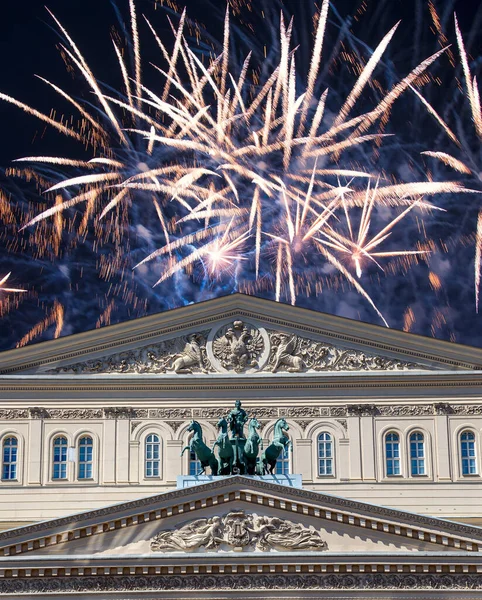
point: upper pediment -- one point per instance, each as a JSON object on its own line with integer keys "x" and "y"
{"x": 238, "y": 335}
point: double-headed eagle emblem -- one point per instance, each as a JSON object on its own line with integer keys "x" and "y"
{"x": 238, "y": 347}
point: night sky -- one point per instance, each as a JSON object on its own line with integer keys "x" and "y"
{"x": 435, "y": 299}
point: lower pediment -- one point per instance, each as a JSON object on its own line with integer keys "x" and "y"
{"x": 239, "y": 514}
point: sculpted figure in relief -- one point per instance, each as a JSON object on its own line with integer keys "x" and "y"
{"x": 202, "y": 532}
{"x": 239, "y": 530}
{"x": 190, "y": 357}
{"x": 284, "y": 349}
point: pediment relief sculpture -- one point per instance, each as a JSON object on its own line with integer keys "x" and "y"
{"x": 239, "y": 531}
{"x": 238, "y": 347}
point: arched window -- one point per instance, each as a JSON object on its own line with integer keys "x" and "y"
{"x": 59, "y": 470}
{"x": 325, "y": 454}
{"x": 283, "y": 462}
{"x": 194, "y": 464}
{"x": 86, "y": 450}
{"x": 10, "y": 453}
{"x": 467, "y": 453}
{"x": 417, "y": 454}
{"x": 392, "y": 454}
{"x": 152, "y": 455}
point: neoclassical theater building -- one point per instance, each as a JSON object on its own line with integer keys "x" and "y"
{"x": 379, "y": 497}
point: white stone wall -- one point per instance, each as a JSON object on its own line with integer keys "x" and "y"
{"x": 359, "y": 460}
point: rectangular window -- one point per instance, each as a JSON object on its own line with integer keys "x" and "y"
{"x": 283, "y": 463}
{"x": 469, "y": 466}
{"x": 392, "y": 455}
{"x": 417, "y": 455}
{"x": 325, "y": 454}
{"x": 194, "y": 464}
{"x": 9, "y": 470}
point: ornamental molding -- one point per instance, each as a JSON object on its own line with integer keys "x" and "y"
{"x": 140, "y": 581}
{"x": 237, "y": 347}
{"x": 239, "y": 531}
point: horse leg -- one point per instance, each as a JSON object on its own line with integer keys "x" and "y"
{"x": 184, "y": 449}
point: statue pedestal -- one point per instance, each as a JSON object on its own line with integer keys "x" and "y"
{"x": 185, "y": 481}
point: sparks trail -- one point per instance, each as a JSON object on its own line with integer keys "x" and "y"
{"x": 242, "y": 165}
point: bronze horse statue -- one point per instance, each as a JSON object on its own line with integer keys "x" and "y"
{"x": 277, "y": 446}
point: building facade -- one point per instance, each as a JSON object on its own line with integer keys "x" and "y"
{"x": 93, "y": 425}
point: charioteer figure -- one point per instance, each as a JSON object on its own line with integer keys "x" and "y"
{"x": 237, "y": 419}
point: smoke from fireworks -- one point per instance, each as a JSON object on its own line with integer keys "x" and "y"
{"x": 238, "y": 168}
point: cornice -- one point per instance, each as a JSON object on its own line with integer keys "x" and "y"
{"x": 429, "y": 380}
{"x": 348, "y": 332}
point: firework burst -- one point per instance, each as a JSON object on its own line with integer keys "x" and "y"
{"x": 237, "y": 167}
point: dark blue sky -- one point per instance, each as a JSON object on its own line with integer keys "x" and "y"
{"x": 28, "y": 42}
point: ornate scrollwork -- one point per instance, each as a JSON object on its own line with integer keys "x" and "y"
{"x": 239, "y": 530}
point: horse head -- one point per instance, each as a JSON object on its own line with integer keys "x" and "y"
{"x": 254, "y": 423}
{"x": 222, "y": 423}
{"x": 194, "y": 426}
{"x": 283, "y": 425}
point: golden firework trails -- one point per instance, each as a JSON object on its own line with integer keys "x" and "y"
{"x": 5, "y": 289}
{"x": 462, "y": 166}
{"x": 242, "y": 173}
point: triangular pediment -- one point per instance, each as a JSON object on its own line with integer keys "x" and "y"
{"x": 238, "y": 335}
{"x": 239, "y": 514}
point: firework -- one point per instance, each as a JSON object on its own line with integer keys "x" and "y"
{"x": 6, "y": 289}
{"x": 245, "y": 170}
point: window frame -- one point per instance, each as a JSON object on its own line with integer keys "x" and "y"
{"x": 5, "y": 438}
{"x": 54, "y": 439}
{"x": 286, "y": 460}
{"x": 462, "y": 432}
{"x": 423, "y": 458}
{"x": 80, "y": 462}
{"x": 147, "y": 460}
{"x": 386, "y": 458}
{"x": 332, "y": 458}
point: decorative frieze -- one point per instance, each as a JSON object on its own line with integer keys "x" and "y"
{"x": 235, "y": 348}
{"x": 170, "y": 413}
{"x": 122, "y": 412}
{"x": 141, "y": 581}
{"x": 304, "y": 413}
{"x": 13, "y": 413}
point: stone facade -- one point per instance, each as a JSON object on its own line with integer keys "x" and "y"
{"x": 386, "y": 432}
